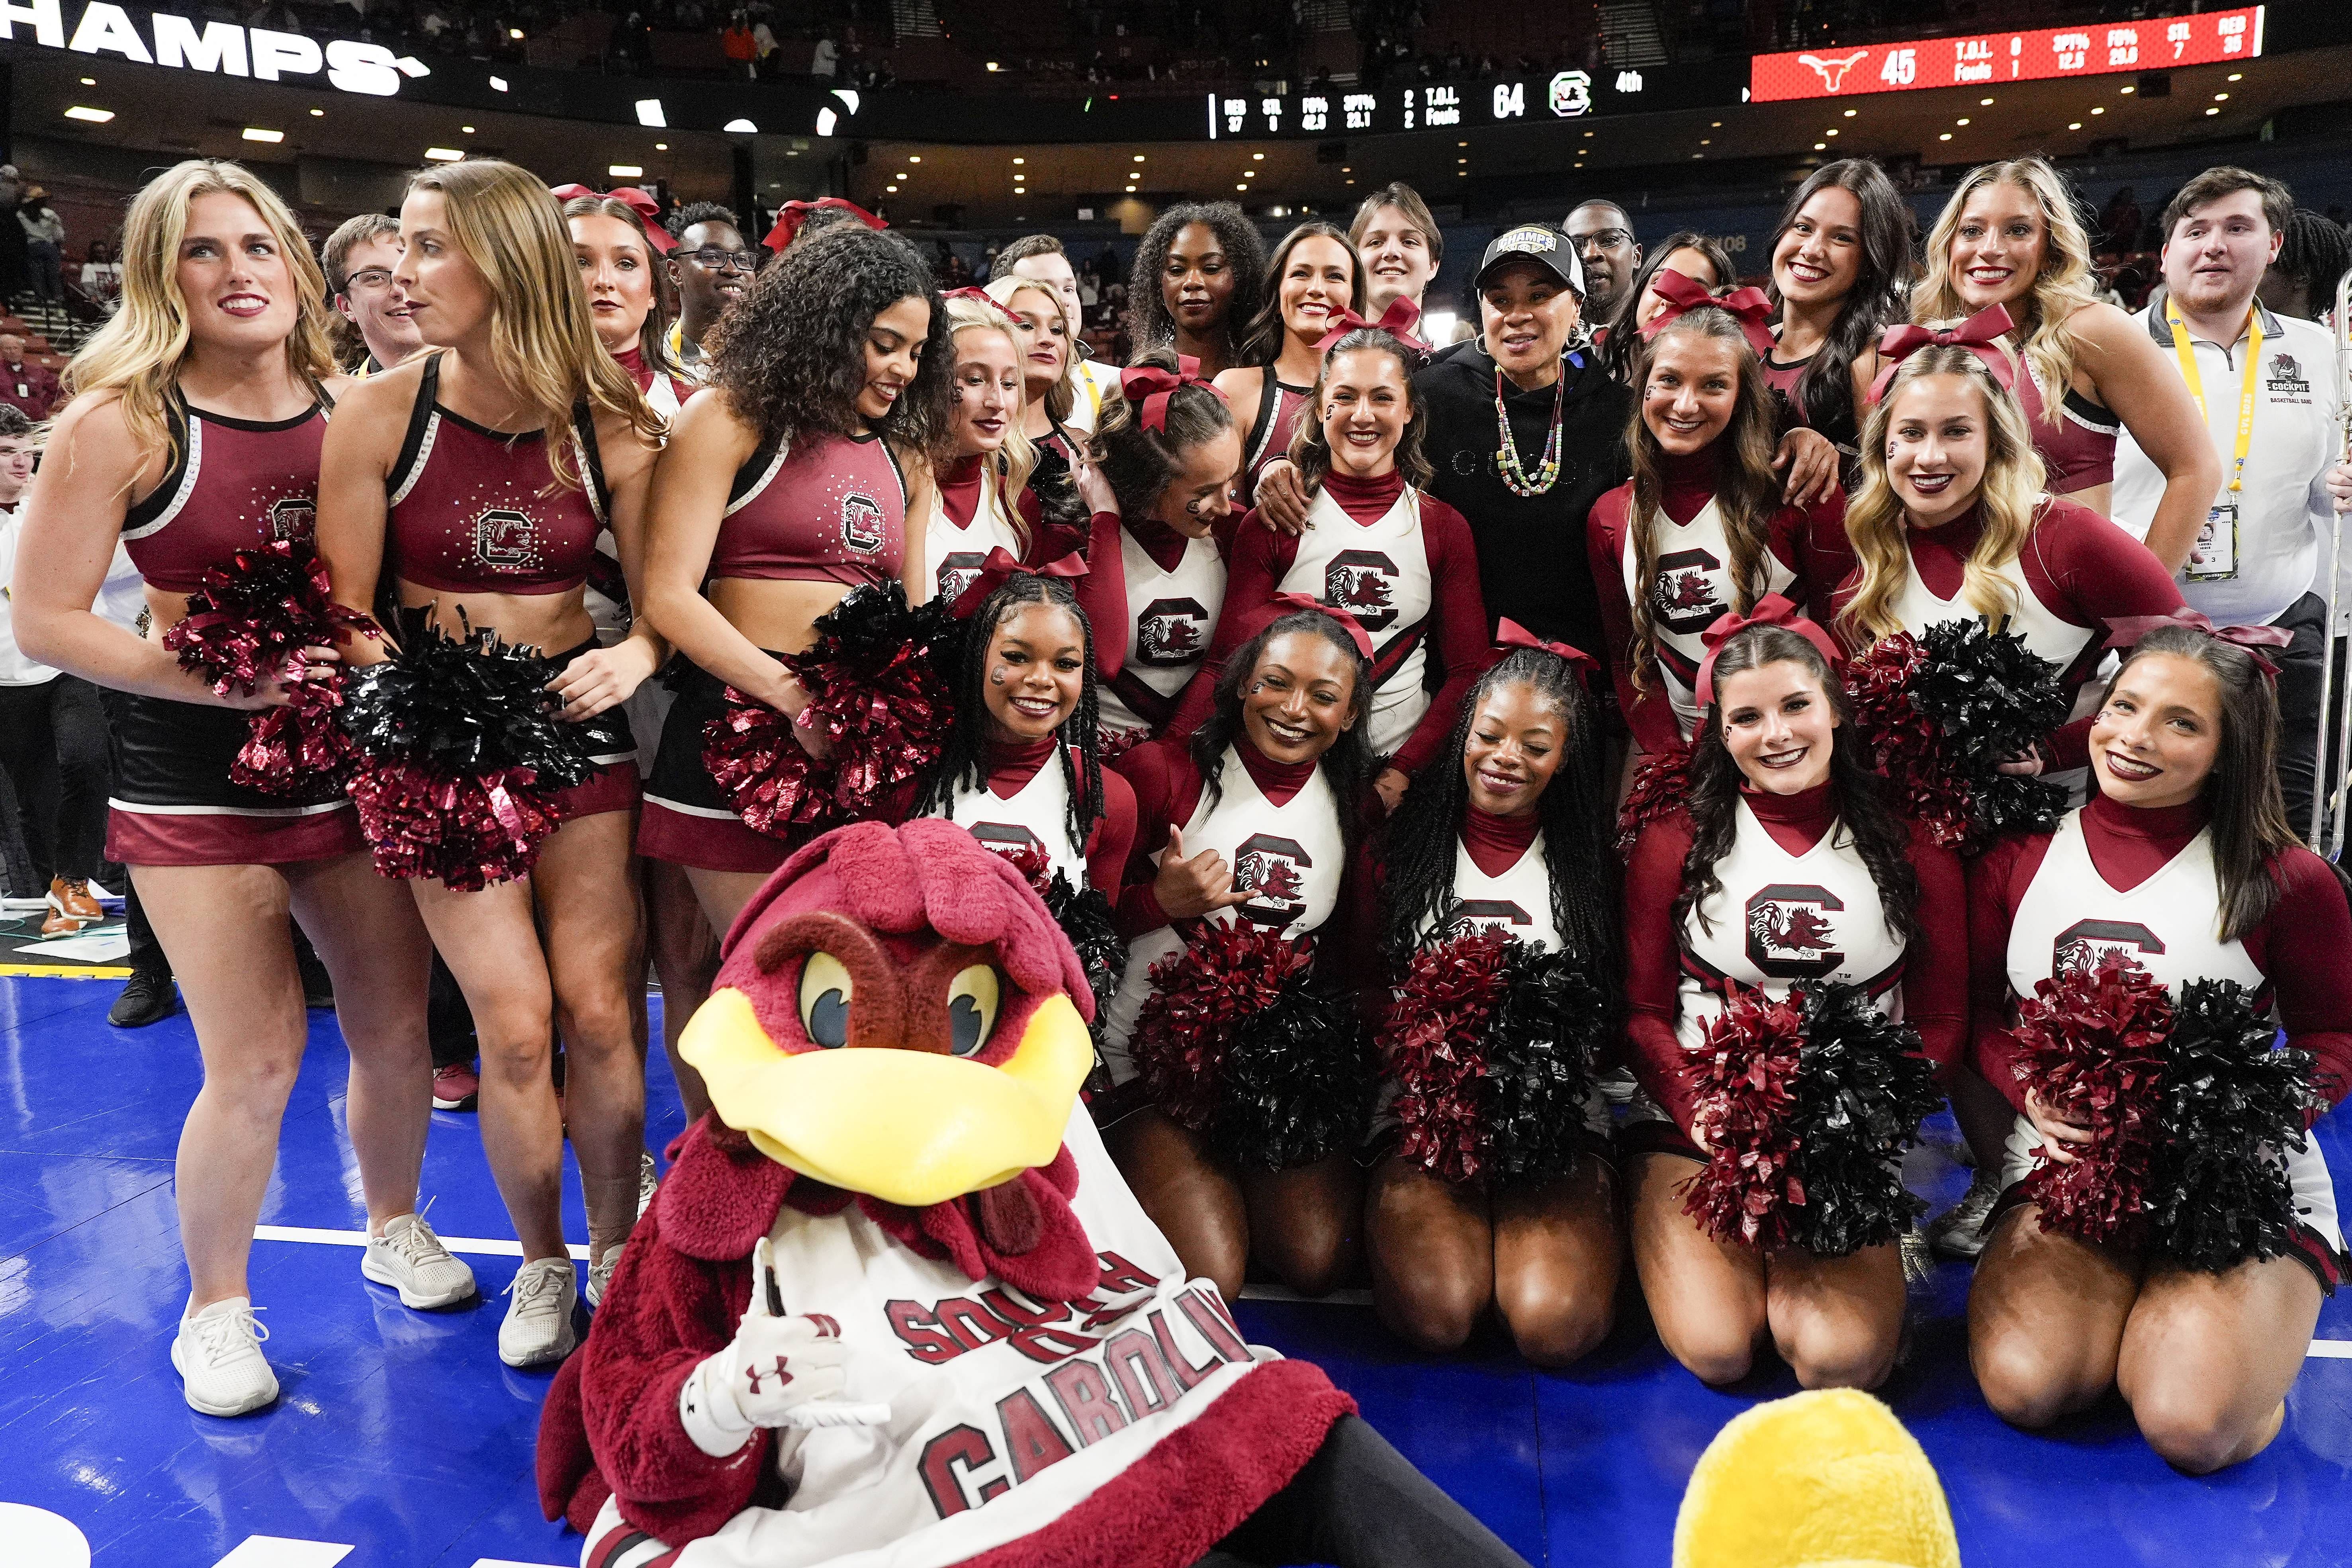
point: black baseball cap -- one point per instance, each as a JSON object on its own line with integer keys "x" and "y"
{"x": 1539, "y": 243}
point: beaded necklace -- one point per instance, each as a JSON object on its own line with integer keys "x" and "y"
{"x": 1507, "y": 456}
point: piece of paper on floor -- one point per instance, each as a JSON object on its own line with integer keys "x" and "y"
{"x": 93, "y": 947}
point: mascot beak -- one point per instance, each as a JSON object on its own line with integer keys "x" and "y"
{"x": 909, "y": 1127}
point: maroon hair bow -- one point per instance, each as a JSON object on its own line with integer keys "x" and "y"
{"x": 2125, "y": 631}
{"x": 1772, "y": 610}
{"x": 792, "y": 215}
{"x": 983, "y": 296}
{"x": 1284, "y": 604}
{"x": 1155, "y": 387}
{"x": 1001, "y": 567}
{"x": 1980, "y": 334}
{"x": 1748, "y": 307}
{"x": 1397, "y": 321}
{"x": 647, "y": 210}
{"x": 1510, "y": 634}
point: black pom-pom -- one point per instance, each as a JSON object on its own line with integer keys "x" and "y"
{"x": 1056, "y": 490}
{"x": 1296, "y": 1083}
{"x": 1541, "y": 1049}
{"x": 1085, "y": 916}
{"x": 1862, "y": 1090}
{"x": 2234, "y": 1107}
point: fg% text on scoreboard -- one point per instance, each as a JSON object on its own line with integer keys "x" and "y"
{"x": 2090, "y": 49}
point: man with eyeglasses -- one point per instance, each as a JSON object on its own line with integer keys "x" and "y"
{"x": 359, "y": 259}
{"x": 1604, "y": 236}
{"x": 712, "y": 268}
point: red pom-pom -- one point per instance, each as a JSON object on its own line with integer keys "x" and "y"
{"x": 1227, "y": 974}
{"x": 775, "y": 786}
{"x": 1431, "y": 1040}
{"x": 1661, "y": 783}
{"x": 1747, "y": 1081}
{"x": 876, "y": 697}
{"x": 1905, "y": 746}
{"x": 2092, "y": 1044}
{"x": 466, "y": 833}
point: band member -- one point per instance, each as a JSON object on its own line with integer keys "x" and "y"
{"x": 2185, "y": 861}
{"x": 1312, "y": 277}
{"x": 1200, "y": 273}
{"x": 711, "y": 270}
{"x": 1784, "y": 865}
{"x": 194, "y": 433}
{"x": 472, "y": 483}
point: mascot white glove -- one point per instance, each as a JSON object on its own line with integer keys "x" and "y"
{"x": 779, "y": 1370}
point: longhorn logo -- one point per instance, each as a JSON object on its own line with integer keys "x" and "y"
{"x": 1833, "y": 72}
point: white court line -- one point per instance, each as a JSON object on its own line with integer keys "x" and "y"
{"x": 280, "y": 1551}
{"x": 508, "y": 1562}
{"x": 2332, "y": 1350}
{"x": 480, "y": 1246}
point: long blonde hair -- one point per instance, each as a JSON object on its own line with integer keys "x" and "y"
{"x": 137, "y": 354}
{"x": 2008, "y": 502}
{"x": 2060, "y": 286}
{"x": 1063, "y": 395}
{"x": 1017, "y": 459}
{"x": 543, "y": 342}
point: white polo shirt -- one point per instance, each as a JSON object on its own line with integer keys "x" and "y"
{"x": 2283, "y": 513}
{"x": 120, "y": 599}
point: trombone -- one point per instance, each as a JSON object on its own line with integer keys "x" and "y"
{"x": 2328, "y": 803}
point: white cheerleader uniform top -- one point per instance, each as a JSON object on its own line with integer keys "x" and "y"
{"x": 1379, "y": 575}
{"x": 1692, "y": 586}
{"x": 1518, "y": 902}
{"x": 1170, "y": 614}
{"x": 2052, "y": 636}
{"x": 1037, "y": 814}
{"x": 952, "y": 554}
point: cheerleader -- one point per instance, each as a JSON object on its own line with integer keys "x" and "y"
{"x": 1199, "y": 280}
{"x": 1509, "y": 838}
{"x": 2184, "y": 860}
{"x": 618, "y": 255}
{"x": 1841, "y": 272}
{"x": 194, "y": 434}
{"x": 1023, "y": 769}
{"x": 1253, "y": 821}
{"x": 1049, "y": 377}
{"x": 1700, "y": 527}
{"x": 1784, "y": 865}
{"x": 786, "y": 484}
{"x": 1399, "y": 244}
{"x": 990, "y": 457}
{"x": 1169, "y": 456}
{"x": 2008, "y": 238}
{"x": 1376, "y": 545}
{"x": 1313, "y": 276}
{"x": 472, "y": 482}
{"x": 1704, "y": 267}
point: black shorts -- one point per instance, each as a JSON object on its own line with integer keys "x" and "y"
{"x": 613, "y": 748}
{"x": 174, "y": 804}
{"x": 688, "y": 820}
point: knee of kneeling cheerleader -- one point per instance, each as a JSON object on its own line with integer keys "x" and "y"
{"x": 1431, "y": 1314}
{"x": 1859, "y": 1364}
{"x": 2198, "y": 1435}
{"x": 1559, "y": 1332}
{"x": 1312, "y": 1265}
{"x": 1716, "y": 1359}
{"x": 2025, "y": 1388}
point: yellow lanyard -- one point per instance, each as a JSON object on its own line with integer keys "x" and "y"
{"x": 2188, "y": 356}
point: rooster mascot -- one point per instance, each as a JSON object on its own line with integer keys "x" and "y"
{"x": 893, "y": 1305}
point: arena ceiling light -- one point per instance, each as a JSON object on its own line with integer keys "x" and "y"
{"x": 626, "y": 170}
{"x": 94, "y": 116}
{"x": 649, "y": 112}
{"x": 444, "y": 155}
{"x": 743, "y": 126}
{"x": 256, "y": 133}
{"x": 92, "y": 81}
{"x": 318, "y": 114}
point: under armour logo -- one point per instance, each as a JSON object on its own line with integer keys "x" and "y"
{"x": 1833, "y": 72}
{"x": 754, "y": 1374}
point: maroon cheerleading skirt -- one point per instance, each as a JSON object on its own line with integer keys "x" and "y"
{"x": 174, "y": 804}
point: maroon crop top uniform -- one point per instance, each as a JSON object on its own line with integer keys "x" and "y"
{"x": 2078, "y": 447}
{"x": 1279, "y": 406}
{"x": 234, "y": 484}
{"x": 832, "y": 511}
{"x": 472, "y": 510}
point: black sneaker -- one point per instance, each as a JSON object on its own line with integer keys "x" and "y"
{"x": 148, "y": 998}
{"x": 318, "y": 988}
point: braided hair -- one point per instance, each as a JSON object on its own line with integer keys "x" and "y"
{"x": 963, "y": 762}
{"x": 2316, "y": 254}
{"x": 1348, "y": 764}
{"x": 1868, "y": 822}
{"x": 1417, "y": 847}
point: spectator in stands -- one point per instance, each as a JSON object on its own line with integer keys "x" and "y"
{"x": 2120, "y": 221}
{"x": 741, "y": 49}
{"x": 1602, "y": 233}
{"x": 102, "y": 276}
{"x": 2314, "y": 258}
{"x": 711, "y": 270}
{"x": 15, "y": 273}
{"x": 1041, "y": 257}
{"x": 1199, "y": 276}
{"x": 44, "y": 242}
{"x": 826, "y": 60}
{"x": 25, "y": 385}
{"x": 372, "y": 330}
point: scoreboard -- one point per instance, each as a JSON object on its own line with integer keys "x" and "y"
{"x": 2092, "y": 48}
{"x": 1452, "y": 105}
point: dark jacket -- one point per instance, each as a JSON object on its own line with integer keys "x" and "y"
{"x": 1531, "y": 559}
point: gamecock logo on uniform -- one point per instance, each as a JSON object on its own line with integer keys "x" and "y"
{"x": 505, "y": 540}
{"x": 1273, "y": 871}
{"x": 1682, "y": 596}
{"x": 958, "y": 571}
{"x": 1363, "y": 584}
{"x": 1486, "y": 914}
{"x": 1012, "y": 841}
{"x": 861, "y": 523}
{"x": 295, "y": 517}
{"x": 2085, "y": 945}
{"x": 1788, "y": 933}
{"x": 1171, "y": 632}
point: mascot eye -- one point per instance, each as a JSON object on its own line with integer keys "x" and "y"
{"x": 972, "y": 1008}
{"x": 826, "y": 991}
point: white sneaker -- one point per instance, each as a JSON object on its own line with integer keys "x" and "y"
{"x": 599, "y": 1275}
{"x": 648, "y": 1178}
{"x": 538, "y": 1327}
{"x": 411, "y": 1259}
{"x": 217, "y": 1355}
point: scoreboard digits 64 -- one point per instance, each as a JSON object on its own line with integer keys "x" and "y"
{"x": 1424, "y": 106}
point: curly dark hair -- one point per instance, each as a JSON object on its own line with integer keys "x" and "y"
{"x": 791, "y": 355}
{"x": 1312, "y": 453}
{"x": 1348, "y": 764}
{"x": 693, "y": 212}
{"x": 1139, "y": 464}
{"x": 1148, "y": 323}
{"x": 1878, "y": 834}
{"x": 1417, "y": 847}
{"x": 1260, "y": 339}
{"x": 964, "y": 764}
